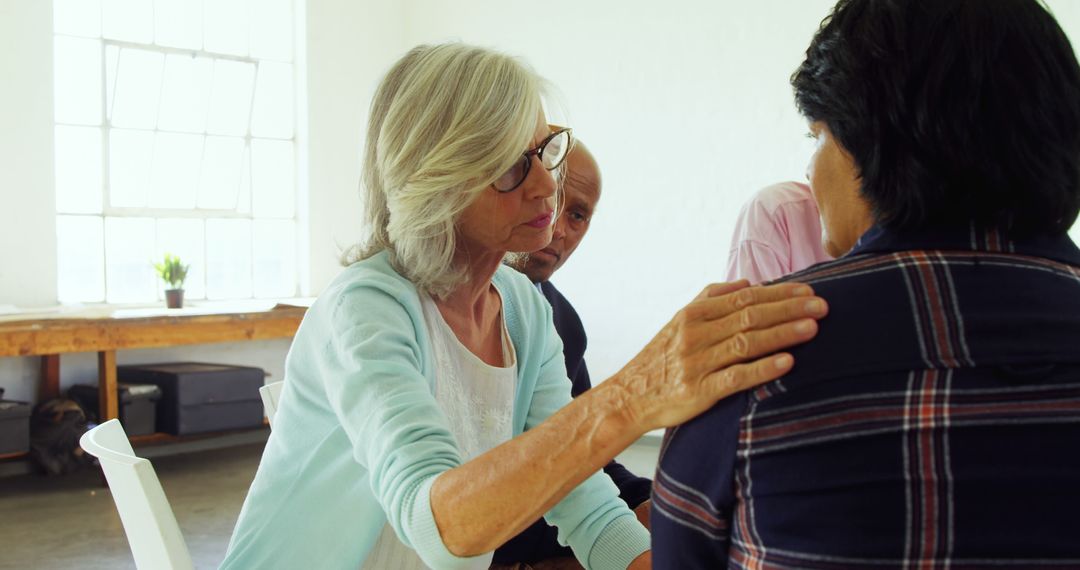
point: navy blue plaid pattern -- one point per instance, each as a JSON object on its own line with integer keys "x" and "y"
{"x": 933, "y": 423}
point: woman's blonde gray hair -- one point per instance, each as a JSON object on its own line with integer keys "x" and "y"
{"x": 446, "y": 121}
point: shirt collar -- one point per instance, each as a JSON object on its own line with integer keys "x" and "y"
{"x": 967, "y": 237}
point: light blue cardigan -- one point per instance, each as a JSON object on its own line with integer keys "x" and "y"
{"x": 358, "y": 438}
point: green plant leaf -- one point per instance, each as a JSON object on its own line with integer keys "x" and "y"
{"x": 172, "y": 271}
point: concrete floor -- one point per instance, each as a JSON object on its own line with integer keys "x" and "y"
{"x": 71, "y": 522}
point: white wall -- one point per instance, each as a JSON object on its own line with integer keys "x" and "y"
{"x": 350, "y": 46}
{"x": 686, "y": 105}
{"x": 27, "y": 199}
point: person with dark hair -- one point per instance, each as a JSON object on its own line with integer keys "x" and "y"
{"x": 934, "y": 422}
{"x": 538, "y": 546}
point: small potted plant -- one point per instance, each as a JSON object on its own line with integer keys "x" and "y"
{"x": 173, "y": 272}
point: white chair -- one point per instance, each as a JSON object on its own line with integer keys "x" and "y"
{"x": 271, "y": 396}
{"x": 152, "y": 532}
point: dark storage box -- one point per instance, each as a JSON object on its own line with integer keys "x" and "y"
{"x": 138, "y": 405}
{"x": 14, "y": 427}
{"x": 198, "y": 397}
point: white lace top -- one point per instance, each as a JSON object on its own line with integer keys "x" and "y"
{"x": 478, "y": 400}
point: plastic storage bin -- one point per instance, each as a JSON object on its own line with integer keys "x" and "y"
{"x": 138, "y": 405}
{"x": 14, "y": 427}
{"x": 199, "y": 397}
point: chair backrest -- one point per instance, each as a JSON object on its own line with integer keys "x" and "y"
{"x": 152, "y": 532}
{"x": 271, "y": 395}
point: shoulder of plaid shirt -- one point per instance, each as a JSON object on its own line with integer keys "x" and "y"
{"x": 935, "y": 418}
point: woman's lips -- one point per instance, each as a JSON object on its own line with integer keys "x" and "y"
{"x": 541, "y": 221}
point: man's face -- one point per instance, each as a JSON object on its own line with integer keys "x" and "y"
{"x": 582, "y": 193}
{"x": 834, "y": 181}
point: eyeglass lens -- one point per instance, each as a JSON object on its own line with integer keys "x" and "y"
{"x": 551, "y": 155}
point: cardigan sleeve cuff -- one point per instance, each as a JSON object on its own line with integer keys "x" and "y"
{"x": 425, "y": 537}
{"x": 621, "y": 541}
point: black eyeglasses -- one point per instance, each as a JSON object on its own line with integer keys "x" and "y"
{"x": 551, "y": 151}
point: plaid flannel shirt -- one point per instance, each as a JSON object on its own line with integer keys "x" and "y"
{"x": 933, "y": 423}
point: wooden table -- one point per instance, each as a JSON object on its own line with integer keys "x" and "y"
{"x": 51, "y": 337}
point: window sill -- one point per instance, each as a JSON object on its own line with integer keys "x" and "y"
{"x": 9, "y": 313}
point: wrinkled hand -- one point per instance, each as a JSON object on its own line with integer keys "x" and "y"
{"x": 717, "y": 346}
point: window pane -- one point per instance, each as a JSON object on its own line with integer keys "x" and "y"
{"x": 184, "y": 239}
{"x": 77, "y": 17}
{"x": 77, "y": 87}
{"x": 275, "y": 258}
{"x": 138, "y": 83}
{"x": 130, "y": 155}
{"x": 243, "y": 205}
{"x": 129, "y": 257}
{"x": 271, "y": 29}
{"x": 175, "y": 175}
{"x": 272, "y": 179}
{"x": 128, "y": 20}
{"x": 1075, "y": 232}
{"x": 185, "y": 96}
{"x": 273, "y": 114}
{"x": 228, "y": 259}
{"x": 80, "y": 265}
{"x": 230, "y": 98}
{"x": 78, "y": 170}
{"x": 227, "y": 26}
{"x": 178, "y": 23}
{"x": 219, "y": 185}
{"x": 112, "y": 62}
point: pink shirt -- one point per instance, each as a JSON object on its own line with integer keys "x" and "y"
{"x": 778, "y": 232}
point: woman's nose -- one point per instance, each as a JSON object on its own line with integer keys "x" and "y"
{"x": 540, "y": 183}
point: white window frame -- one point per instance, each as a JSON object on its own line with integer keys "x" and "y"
{"x": 243, "y": 213}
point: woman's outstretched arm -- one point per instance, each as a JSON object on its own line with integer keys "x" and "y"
{"x": 723, "y": 342}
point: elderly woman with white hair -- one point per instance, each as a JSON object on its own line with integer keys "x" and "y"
{"x": 426, "y": 416}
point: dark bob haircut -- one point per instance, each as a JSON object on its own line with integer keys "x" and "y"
{"x": 952, "y": 110}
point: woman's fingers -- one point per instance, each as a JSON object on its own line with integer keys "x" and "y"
{"x": 745, "y": 346}
{"x": 718, "y": 289}
{"x": 767, "y": 315}
{"x": 724, "y": 304}
{"x": 754, "y": 318}
{"x": 734, "y": 379}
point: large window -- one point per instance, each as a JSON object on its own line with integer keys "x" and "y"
{"x": 175, "y": 132}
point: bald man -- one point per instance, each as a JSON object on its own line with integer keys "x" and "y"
{"x": 581, "y": 193}
{"x": 537, "y": 545}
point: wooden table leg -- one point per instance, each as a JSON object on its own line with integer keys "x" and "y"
{"x": 50, "y": 378}
{"x": 108, "y": 406}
